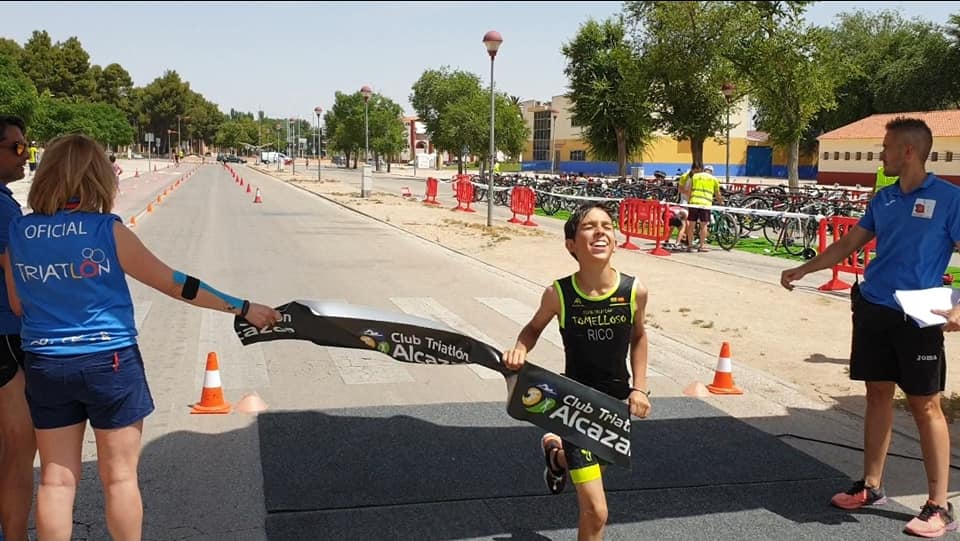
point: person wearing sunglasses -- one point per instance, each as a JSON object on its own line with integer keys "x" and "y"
{"x": 17, "y": 441}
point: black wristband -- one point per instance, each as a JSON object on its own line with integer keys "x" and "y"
{"x": 245, "y": 309}
{"x": 647, "y": 392}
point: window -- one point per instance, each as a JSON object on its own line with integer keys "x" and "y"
{"x": 578, "y": 155}
{"x": 846, "y": 156}
{"x": 541, "y": 135}
{"x": 948, "y": 157}
{"x": 934, "y": 156}
{"x": 826, "y": 155}
{"x": 859, "y": 156}
{"x": 869, "y": 156}
{"x": 836, "y": 155}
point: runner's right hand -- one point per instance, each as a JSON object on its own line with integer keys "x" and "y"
{"x": 514, "y": 358}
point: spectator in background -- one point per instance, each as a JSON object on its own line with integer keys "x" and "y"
{"x": 117, "y": 171}
{"x": 32, "y": 159}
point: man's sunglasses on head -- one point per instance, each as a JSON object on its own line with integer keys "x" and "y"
{"x": 18, "y": 148}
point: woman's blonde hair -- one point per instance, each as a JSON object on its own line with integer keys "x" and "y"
{"x": 74, "y": 169}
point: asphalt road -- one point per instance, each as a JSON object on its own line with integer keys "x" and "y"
{"x": 357, "y": 446}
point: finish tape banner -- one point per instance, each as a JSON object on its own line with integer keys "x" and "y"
{"x": 586, "y": 417}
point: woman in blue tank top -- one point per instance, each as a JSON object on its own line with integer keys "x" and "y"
{"x": 66, "y": 270}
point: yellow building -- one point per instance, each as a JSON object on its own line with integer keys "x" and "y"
{"x": 850, "y": 155}
{"x": 551, "y": 125}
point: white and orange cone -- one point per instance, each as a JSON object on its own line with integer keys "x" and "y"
{"x": 211, "y": 398}
{"x": 257, "y": 198}
{"x": 723, "y": 375}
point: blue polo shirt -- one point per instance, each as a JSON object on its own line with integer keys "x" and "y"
{"x": 916, "y": 233}
{"x": 9, "y": 209}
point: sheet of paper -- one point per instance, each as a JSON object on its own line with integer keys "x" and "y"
{"x": 917, "y": 303}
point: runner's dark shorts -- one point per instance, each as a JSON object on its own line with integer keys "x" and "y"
{"x": 889, "y": 347}
{"x": 699, "y": 215}
{"x": 11, "y": 357}
{"x": 583, "y": 465}
{"x": 109, "y": 388}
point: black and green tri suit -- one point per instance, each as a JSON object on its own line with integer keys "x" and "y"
{"x": 596, "y": 335}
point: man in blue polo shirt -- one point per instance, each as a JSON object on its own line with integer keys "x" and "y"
{"x": 17, "y": 442}
{"x": 917, "y": 226}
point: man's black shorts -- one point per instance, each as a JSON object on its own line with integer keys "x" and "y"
{"x": 701, "y": 215}
{"x": 11, "y": 357}
{"x": 887, "y": 346}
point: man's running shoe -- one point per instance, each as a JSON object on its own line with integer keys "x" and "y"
{"x": 554, "y": 476}
{"x": 859, "y": 495}
{"x": 933, "y": 521}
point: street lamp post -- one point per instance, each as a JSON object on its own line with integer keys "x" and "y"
{"x": 492, "y": 41}
{"x": 366, "y": 92}
{"x": 553, "y": 142}
{"x": 179, "y": 139}
{"x": 728, "y": 90}
{"x": 319, "y": 110}
{"x": 296, "y": 144}
{"x": 278, "y": 147}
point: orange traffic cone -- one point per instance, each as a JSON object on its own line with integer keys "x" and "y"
{"x": 251, "y": 403}
{"x": 248, "y": 188}
{"x": 211, "y": 398}
{"x": 723, "y": 375}
{"x": 257, "y": 198}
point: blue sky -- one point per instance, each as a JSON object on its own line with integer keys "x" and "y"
{"x": 288, "y": 57}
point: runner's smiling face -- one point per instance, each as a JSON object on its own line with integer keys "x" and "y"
{"x": 594, "y": 239}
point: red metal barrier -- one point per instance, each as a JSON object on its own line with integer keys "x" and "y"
{"x": 644, "y": 220}
{"x": 464, "y": 191}
{"x": 841, "y": 225}
{"x": 430, "y": 198}
{"x": 523, "y": 200}
{"x": 742, "y": 187}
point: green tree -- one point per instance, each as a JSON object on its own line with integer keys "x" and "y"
{"x": 466, "y": 123}
{"x": 345, "y": 127}
{"x": 160, "y": 102}
{"x": 11, "y": 49}
{"x": 74, "y": 78}
{"x": 113, "y": 85}
{"x": 39, "y": 61}
{"x": 791, "y": 71}
{"x": 433, "y": 92}
{"x": 609, "y": 91}
{"x": 18, "y": 96}
{"x": 896, "y": 66}
{"x": 682, "y": 44}
{"x": 101, "y": 121}
{"x": 387, "y": 133}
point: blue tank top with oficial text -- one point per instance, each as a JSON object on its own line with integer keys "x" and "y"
{"x": 73, "y": 292}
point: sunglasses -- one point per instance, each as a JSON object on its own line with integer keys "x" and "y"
{"x": 18, "y": 148}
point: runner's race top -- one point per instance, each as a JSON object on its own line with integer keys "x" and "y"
{"x": 596, "y": 334}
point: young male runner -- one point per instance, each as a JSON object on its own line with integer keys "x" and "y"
{"x": 600, "y": 311}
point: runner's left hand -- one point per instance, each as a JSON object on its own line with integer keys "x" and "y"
{"x": 639, "y": 404}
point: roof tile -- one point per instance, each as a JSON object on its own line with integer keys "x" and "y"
{"x": 942, "y": 124}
